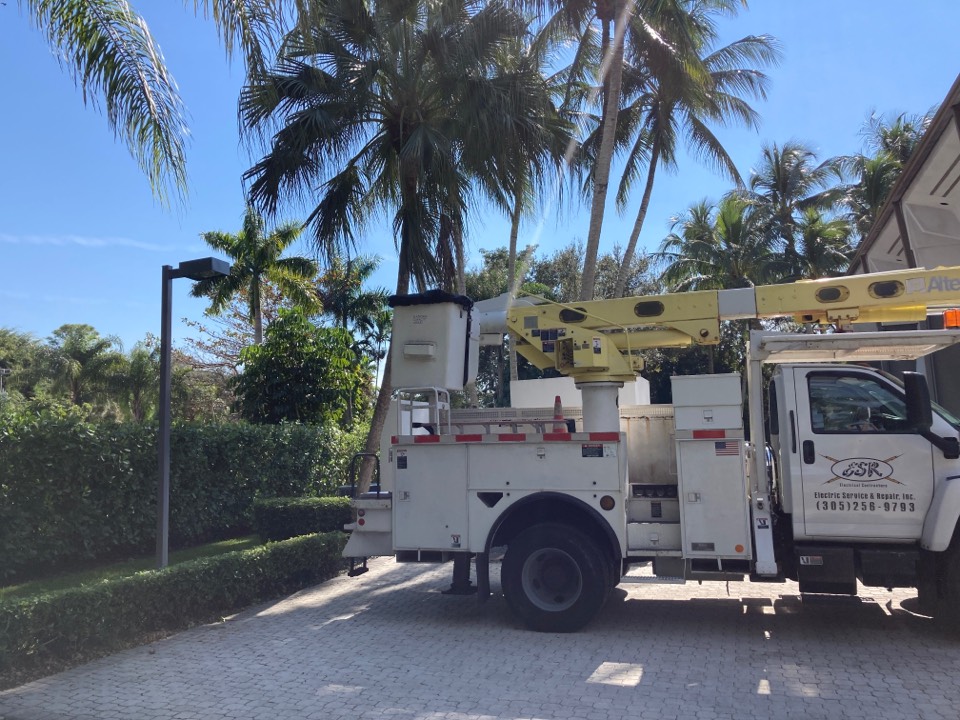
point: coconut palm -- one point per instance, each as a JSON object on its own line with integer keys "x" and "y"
{"x": 659, "y": 27}
{"x": 824, "y": 245}
{"x": 108, "y": 49}
{"x": 875, "y": 178}
{"x": 397, "y": 108}
{"x": 670, "y": 101}
{"x": 537, "y": 155}
{"x": 898, "y": 136}
{"x": 889, "y": 145}
{"x": 788, "y": 181}
{"x": 713, "y": 247}
{"x": 256, "y": 261}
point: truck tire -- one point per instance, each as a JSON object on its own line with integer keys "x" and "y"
{"x": 554, "y": 578}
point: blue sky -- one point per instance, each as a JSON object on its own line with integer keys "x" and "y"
{"x": 82, "y": 240}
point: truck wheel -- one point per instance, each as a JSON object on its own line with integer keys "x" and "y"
{"x": 554, "y": 578}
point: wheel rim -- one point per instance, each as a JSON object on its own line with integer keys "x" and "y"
{"x": 551, "y": 579}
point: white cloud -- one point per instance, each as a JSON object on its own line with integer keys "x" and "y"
{"x": 80, "y": 241}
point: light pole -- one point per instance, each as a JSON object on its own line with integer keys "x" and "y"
{"x": 201, "y": 269}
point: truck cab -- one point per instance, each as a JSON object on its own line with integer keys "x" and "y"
{"x": 864, "y": 486}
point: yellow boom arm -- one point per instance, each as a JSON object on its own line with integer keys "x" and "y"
{"x": 599, "y": 340}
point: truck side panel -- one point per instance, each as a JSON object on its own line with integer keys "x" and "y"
{"x": 451, "y": 490}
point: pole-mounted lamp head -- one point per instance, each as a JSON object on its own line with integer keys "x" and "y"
{"x": 201, "y": 269}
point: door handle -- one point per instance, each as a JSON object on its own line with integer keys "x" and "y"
{"x": 793, "y": 433}
{"x": 809, "y": 456}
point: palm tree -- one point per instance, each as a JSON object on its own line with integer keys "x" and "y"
{"x": 342, "y": 295}
{"x": 899, "y": 136}
{"x": 891, "y": 142}
{"x": 669, "y": 102}
{"x": 256, "y": 261}
{"x": 663, "y": 27}
{"x": 137, "y": 379}
{"x": 391, "y": 107}
{"x": 541, "y": 150}
{"x": 788, "y": 181}
{"x": 825, "y": 245}
{"x": 108, "y": 49}
{"x": 713, "y": 247}
{"x": 83, "y": 362}
{"x": 351, "y": 307}
{"x": 875, "y": 179}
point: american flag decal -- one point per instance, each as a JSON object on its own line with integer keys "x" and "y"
{"x": 726, "y": 447}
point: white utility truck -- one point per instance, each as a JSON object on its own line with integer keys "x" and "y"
{"x": 845, "y": 473}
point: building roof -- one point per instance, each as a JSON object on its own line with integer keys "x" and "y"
{"x": 919, "y": 224}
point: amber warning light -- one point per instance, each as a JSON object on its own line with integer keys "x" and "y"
{"x": 951, "y": 318}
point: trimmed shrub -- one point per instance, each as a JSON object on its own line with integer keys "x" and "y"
{"x": 281, "y": 518}
{"x": 72, "y": 492}
{"x": 105, "y": 615}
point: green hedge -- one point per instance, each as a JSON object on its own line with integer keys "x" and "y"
{"x": 281, "y": 518}
{"x": 74, "y": 492}
{"x": 103, "y": 616}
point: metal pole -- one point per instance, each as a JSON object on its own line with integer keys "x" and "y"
{"x": 163, "y": 443}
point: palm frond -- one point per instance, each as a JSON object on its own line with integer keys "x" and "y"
{"x": 109, "y": 50}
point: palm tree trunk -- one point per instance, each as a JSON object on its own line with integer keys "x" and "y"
{"x": 638, "y": 225}
{"x": 612, "y": 78}
{"x": 377, "y": 422}
{"x": 382, "y": 407}
{"x": 256, "y": 310}
{"x": 512, "y": 272}
{"x": 460, "y": 260}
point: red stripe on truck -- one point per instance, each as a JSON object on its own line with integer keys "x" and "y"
{"x": 605, "y": 436}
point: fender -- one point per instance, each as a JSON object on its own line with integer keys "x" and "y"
{"x": 573, "y": 503}
{"x": 942, "y": 517}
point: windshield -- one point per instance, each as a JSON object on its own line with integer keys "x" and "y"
{"x": 939, "y": 409}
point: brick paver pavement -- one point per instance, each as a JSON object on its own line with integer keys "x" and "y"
{"x": 388, "y": 645}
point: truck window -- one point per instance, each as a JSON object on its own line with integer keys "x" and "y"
{"x": 854, "y": 403}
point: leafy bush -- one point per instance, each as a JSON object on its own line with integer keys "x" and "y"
{"x": 73, "y": 491}
{"x": 281, "y": 518}
{"x": 104, "y": 615}
{"x": 301, "y": 372}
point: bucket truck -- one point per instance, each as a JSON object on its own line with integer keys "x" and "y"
{"x": 841, "y": 473}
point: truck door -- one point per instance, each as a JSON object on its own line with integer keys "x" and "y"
{"x": 863, "y": 473}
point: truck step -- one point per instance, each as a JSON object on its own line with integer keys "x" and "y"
{"x": 652, "y": 580}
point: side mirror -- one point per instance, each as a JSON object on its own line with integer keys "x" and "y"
{"x": 920, "y": 415}
{"x": 919, "y": 412}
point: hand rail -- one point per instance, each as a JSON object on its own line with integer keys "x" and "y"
{"x": 352, "y": 470}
